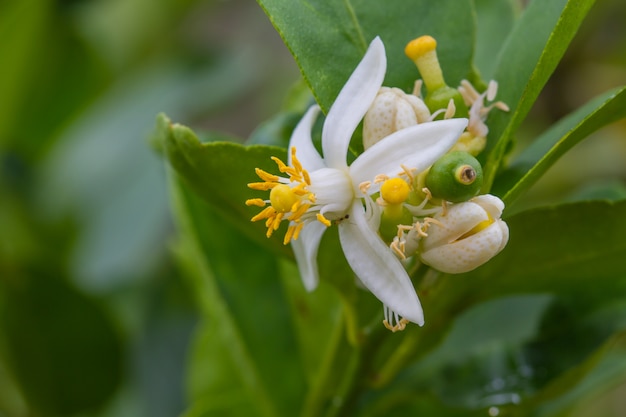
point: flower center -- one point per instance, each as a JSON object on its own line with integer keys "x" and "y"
{"x": 290, "y": 198}
{"x": 283, "y": 198}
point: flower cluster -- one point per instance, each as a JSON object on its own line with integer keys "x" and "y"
{"x": 405, "y": 196}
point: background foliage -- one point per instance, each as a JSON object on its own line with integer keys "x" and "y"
{"x": 123, "y": 293}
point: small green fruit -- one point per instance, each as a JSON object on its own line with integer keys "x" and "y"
{"x": 455, "y": 177}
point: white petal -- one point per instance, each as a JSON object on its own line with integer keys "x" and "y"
{"x": 460, "y": 219}
{"x": 305, "y": 249}
{"x": 376, "y": 266}
{"x": 469, "y": 253}
{"x": 416, "y": 147}
{"x": 352, "y": 103}
{"x": 492, "y": 204}
{"x": 301, "y": 140}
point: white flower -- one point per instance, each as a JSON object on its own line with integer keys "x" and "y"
{"x": 465, "y": 236}
{"x": 324, "y": 189}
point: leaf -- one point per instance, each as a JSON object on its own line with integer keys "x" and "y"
{"x": 22, "y": 30}
{"x": 574, "y": 249}
{"x": 328, "y": 38}
{"x": 241, "y": 297}
{"x": 218, "y": 172}
{"x": 63, "y": 349}
{"x": 528, "y": 58}
{"x": 534, "y": 161}
{"x": 494, "y": 20}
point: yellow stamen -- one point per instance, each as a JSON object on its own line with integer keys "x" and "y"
{"x": 264, "y": 214}
{"x": 262, "y": 186}
{"x": 266, "y": 176}
{"x": 287, "y": 201}
{"x": 323, "y": 220}
{"x": 255, "y": 202}
{"x": 398, "y": 327}
{"x": 296, "y": 233}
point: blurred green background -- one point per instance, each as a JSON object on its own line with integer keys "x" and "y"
{"x": 95, "y": 318}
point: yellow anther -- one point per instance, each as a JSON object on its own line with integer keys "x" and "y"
{"x": 323, "y": 220}
{"x": 255, "y": 202}
{"x": 395, "y": 191}
{"x": 283, "y": 198}
{"x": 265, "y": 176}
{"x": 423, "y": 52}
{"x": 267, "y": 212}
{"x": 262, "y": 186}
{"x": 296, "y": 232}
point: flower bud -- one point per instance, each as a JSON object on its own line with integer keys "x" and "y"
{"x": 457, "y": 176}
{"x": 466, "y": 236}
{"x": 392, "y": 110}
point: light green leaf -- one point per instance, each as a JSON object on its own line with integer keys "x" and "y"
{"x": 531, "y": 164}
{"x": 529, "y": 56}
{"x": 328, "y": 38}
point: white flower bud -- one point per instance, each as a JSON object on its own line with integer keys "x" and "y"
{"x": 467, "y": 236}
{"x": 392, "y": 110}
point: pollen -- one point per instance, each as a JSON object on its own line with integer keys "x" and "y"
{"x": 395, "y": 191}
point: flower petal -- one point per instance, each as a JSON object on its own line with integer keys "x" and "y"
{"x": 415, "y": 147}
{"x": 376, "y": 266}
{"x": 305, "y": 249}
{"x": 352, "y": 103}
{"x": 469, "y": 253}
{"x": 301, "y": 140}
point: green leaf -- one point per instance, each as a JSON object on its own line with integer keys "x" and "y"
{"x": 529, "y": 56}
{"x": 534, "y": 161}
{"x": 573, "y": 249}
{"x": 328, "y": 38}
{"x": 22, "y": 31}
{"x": 218, "y": 172}
{"x": 62, "y": 348}
{"x": 241, "y": 297}
{"x": 494, "y": 20}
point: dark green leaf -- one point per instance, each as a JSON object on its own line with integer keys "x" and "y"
{"x": 494, "y": 21}
{"x": 63, "y": 349}
{"x": 574, "y": 249}
{"x": 328, "y": 38}
{"x": 240, "y": 292}
{"x": 531, "y": 164}
{"x": 528, "y": 58}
